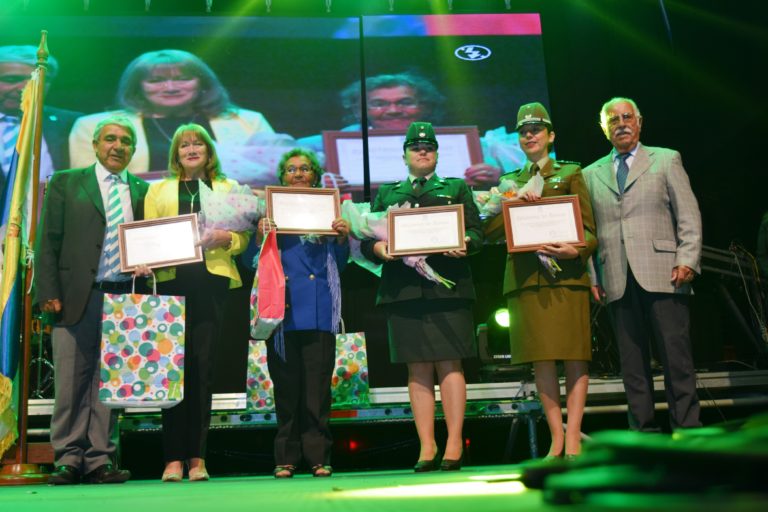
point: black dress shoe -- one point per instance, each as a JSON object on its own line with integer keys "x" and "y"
{"x": 450, "y": 465}
{"x": 107, "y": 474}
{"x": 424, "y": 466}
{"x": 65, "y": 475}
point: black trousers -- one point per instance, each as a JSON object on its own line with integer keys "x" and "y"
{"x": 637, "y": 316}
{"x": 185, "y": 426}
{"x": 303, "y": 396}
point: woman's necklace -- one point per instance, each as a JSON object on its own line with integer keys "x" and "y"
{"x": 163, "y": 132}
{"x": 191, "y": 195}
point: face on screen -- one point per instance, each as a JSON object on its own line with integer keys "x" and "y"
{"x": 169, "y": 87}
{"x": 393, "y": 108}
{"x": 13, "y": 78}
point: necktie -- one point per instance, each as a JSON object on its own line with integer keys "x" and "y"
{"x": 10, "y": 134}
{"x": 114, "y": 217}
{"x": 534, "y": 169}
{"x": 418, "y": 184}
{"x": 622, "y": 172}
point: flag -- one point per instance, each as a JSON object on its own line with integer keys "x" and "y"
{"x": 14, "y": 230}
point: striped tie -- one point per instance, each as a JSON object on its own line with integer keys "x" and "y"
{"x": 10, "y": 134}
{"x": 114, "y": 217}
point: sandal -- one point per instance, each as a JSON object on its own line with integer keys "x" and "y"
{"x": 284, "y": 471}
{"x": 320, "y": 470}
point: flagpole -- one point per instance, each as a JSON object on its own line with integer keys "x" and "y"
{"x": 22, "y": 473}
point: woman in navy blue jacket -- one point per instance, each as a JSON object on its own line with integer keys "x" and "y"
{"x": 301, "y": 365}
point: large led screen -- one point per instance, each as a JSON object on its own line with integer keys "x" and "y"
{"x": 264, "y": 85}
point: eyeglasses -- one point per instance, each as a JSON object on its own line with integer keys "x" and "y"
{"x": 422, "y": 146}
{"x": 532, "y": 129}
{"x": 163, "y": 79}
{"x": 401, "y": 103}
{"x": 626, "y": 116}
{"x": 305, "y": 169}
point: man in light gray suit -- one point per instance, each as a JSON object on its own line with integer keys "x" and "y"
{"x": 649, "y": 233}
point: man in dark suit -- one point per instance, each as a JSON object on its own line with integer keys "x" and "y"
{"x": 75, "y": 264}
{"x": 649, "y": 229}
{"x": 431, "y": 327}
{"x": 16, "y": 65}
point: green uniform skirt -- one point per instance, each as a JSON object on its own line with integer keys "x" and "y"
{"x": 549, "y": 323}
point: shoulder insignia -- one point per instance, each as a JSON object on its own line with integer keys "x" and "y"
{"x": 510, "y": 174}
{"x": 567, "y": 162}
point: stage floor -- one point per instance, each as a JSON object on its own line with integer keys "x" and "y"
{"x": 487, "y": 488}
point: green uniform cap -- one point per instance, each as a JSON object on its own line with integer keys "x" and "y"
{"x": 531, "y": 113}
{"x": 420, "y": 132}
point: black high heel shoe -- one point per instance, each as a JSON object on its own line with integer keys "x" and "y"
{"x": 451, "y": 464}
{"x": 424, "y": 466}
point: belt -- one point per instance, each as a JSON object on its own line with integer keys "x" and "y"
{"x": 113, "y": 286}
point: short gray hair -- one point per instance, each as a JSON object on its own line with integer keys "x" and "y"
{"x": 119, "y": 120}
{"x": 611, "y": 102}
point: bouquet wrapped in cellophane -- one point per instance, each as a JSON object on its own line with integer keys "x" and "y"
{"x": 235, "y": 210}
{"x": 363, "y": 223}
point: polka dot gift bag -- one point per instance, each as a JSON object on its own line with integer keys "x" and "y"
{"x": 142, "y": 350}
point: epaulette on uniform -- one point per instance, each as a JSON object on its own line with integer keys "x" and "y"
{"x": 568, "y": 162}
{"x": 510, "y": 174}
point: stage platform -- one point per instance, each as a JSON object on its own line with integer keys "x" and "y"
{"x": 486, "y": 489}
{"x": 716, "y": 389}
{"x": 504, "y": 420}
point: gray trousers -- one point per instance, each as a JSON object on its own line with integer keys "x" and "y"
{"x": 83, "y": 431}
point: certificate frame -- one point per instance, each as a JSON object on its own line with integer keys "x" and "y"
{"x": 512, "y": 210}
{"x": 471, "y": 150}
{"x": 458, "y": 226}
{"x": 134, "y": 238}
{"x": 279, "y": 211}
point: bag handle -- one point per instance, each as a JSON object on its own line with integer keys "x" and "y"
{"x": 154, "y": 283}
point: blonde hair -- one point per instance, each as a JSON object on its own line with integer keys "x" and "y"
{"x": 212, "y": 166}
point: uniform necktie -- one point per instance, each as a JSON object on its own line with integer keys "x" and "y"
{"x": 9, "y": 136}
{"x": 622, "y": 172}
{"x": 418, "y": 184}
{"x": 114, "y": 218}
{"x": 534, "y": 169}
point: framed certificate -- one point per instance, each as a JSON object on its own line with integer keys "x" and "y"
{"x": 159, "y": 242}
{"x": 459, "y": 147}
{"x": 300, "y": 210}
{"x": 529, "y": 225}
{"x": 434, "y": 229}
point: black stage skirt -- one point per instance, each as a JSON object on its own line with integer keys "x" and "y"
{"x": 430, "y": 331}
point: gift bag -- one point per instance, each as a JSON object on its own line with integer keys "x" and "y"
{"x": 349, "y": 380}
{"x": 142, "y": 350}
{"x": 259, "y": 394}
{"x": 268, "y": 292}
{"x": 349, "y": 383}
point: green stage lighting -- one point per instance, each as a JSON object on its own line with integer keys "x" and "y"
{"x": 501, "y": 317}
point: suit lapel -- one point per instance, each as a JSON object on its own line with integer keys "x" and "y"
{"x": 405, "y": 188}
{"x": 433, "y": 183}
{"x": 91, "y": 186}
{"x": 605, "y": 173}
{"x": 134, "y": 185}
{"x": 547, "y": 171}
{"x": 640, "y": 165}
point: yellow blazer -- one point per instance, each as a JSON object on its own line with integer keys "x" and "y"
{"x": 162, "y": 200}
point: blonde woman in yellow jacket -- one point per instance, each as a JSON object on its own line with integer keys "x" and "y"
{"x": 193, "y": 163}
